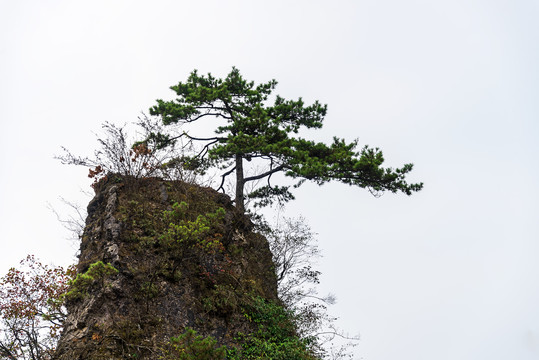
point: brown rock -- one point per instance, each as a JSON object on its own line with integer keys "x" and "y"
{"x": 164, "y": 284}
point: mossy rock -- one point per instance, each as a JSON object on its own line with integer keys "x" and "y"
{"x": 165, "y": 284}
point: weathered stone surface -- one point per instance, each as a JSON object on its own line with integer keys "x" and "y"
{"x": 162, "y": 287}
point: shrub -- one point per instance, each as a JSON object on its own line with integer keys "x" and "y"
{"x": 96, "y": 273}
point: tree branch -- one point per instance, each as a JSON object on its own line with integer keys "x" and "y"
{"x": 269, "y": 172}
{"x": 205, "y": 149}
{"x": 223, "y": 178}
{"x": 206, "y": 114}
{"x": 271, "y": 169}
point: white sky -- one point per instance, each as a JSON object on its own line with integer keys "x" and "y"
{"x": 452, "y": 86}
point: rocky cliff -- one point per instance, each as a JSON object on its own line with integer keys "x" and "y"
{"x": 158, "y": 258}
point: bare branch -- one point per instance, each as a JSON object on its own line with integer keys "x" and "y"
{"x": 206, "y": 114}
{"x": 215, "y": 139}
{"x": 75, "y": 221}
{"x": 205, "y": 149}
{"x": 267, "y": 173}
{"x": 223, "y": 176}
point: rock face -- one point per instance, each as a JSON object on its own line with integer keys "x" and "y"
{"x": 157, "y": 258}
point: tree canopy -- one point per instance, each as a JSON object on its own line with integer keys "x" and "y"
{"x": 252, "y": 127}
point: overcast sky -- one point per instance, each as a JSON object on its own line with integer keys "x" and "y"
{"x": 452, "y": 86}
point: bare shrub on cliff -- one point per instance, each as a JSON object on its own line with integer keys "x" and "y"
{"x": 295, "y": 252}
{"x": 120, "y": 153}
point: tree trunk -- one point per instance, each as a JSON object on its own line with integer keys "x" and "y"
{"x": 240, "y": 182}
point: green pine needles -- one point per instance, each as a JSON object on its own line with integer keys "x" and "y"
{"x": 251, "y": 128}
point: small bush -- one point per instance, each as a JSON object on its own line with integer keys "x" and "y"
{"x": 96, "y": 273}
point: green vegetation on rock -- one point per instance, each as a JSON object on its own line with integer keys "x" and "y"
{"x": 275, "y": 338}
{"x": 96, "y": 273}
